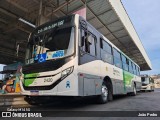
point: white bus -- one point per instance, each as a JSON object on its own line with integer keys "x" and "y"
{"x": 69, "y": 57}
{"x": 147, "y": 83}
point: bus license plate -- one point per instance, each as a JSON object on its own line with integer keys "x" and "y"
{"x": 34, "y": 92}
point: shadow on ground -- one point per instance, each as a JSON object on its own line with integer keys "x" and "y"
{"x": 65, "y": 103}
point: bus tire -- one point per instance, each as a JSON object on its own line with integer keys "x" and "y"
{"x": 110, "y": 92}
{"x": 134, "y": 93}
{"x": 106, "y": 94}
{"x": 31, "y": 101}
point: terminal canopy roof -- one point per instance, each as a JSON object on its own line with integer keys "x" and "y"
{"x": 107, "y": 16}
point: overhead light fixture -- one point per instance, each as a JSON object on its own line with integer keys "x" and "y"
{"x": 26, "y": 22}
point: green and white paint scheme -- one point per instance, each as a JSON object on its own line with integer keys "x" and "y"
{"x": 86, "y": 78}
{"x": 31, "y": 79}
{"x": 128, "y": 78}
{"x": 34, "y": 80}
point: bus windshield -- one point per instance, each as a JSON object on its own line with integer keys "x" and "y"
{"x": 57, "y": 43}
{"x": 145, "y": 80}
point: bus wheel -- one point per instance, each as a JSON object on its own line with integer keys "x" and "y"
{"x": 106, "y": 93}
{"x": 31, "y": 100}
{"x": 134, "y": 93}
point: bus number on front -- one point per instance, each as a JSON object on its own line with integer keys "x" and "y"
{"x": 48, "y": 79}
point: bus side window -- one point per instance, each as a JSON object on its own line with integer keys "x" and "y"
{"x": 130, "y": 67}
{"x": 106, "y": 51}
{"x": 134, "y": 68}
{"x": 84, "y": 40}
{"x": 138, "y": 71}
{"x": 127, "y": 60}
{"x": 88, "y": 42}
{"x": 91, "y": 44}
{"x": 82, "y": 37}
{"x": 124, "y": 62}
{"x": 117, "y": 58}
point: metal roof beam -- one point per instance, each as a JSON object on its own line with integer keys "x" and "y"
{"x": 100, "y": 14}
{"x": 10, "y": 29}
{"x": 11, "y": 52}
{"x": 137, "y": 54}
{"x": 103, "y": 23}
{"x": 91, "y": 18}
{"x": 100, "y": 27}
{"x": 109, "y": 10}
{"x": 17, "y": 5}
{"x": 11, "y": 44}
{"x": 3, "y": 21}
{"x": 110, "y": 32}
{"x": 59, "y": 7}
{"x": 5, "y": 37}
{"x": 8, "y": 13}
{"x": 92, "y": 13}
{"x": 115, "y": 31}
{"x": 36, "y": 1}
{"x": 123, "y": 36}
{"x": 53, "y": 5}
{"x": 112, "y": 22}
{"x": 24, "y": 30}
{"x": 14, "y": 26}
{"x": 108, "y": 24}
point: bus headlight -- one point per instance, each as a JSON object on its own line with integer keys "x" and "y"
{"x": 66, "y": 72}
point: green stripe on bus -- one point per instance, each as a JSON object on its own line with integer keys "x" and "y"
{"x": 31, "y": 75}
{"x": 30, "y": 80}
{"x": 127, "y": 79}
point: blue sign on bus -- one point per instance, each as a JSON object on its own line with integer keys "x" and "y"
{"x": 58, "y": 54}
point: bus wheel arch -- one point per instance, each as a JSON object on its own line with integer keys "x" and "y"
{"x": 135, "y": 84}
{"x": 106, "y": 91}
{"x": 109, "y": 84}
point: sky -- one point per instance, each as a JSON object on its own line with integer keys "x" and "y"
{"x": 145, "y": 16}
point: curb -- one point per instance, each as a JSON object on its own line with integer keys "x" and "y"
{"x": 12, "y": 101}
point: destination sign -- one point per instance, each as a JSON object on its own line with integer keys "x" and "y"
{"x": 53, "y": 24}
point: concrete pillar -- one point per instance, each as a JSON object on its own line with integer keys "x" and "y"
{"x": 41, "y": 19}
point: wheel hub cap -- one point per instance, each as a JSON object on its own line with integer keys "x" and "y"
{"x": 104, "y": 91}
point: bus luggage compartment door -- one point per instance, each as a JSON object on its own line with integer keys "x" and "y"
{"x": 92, "y": 86}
